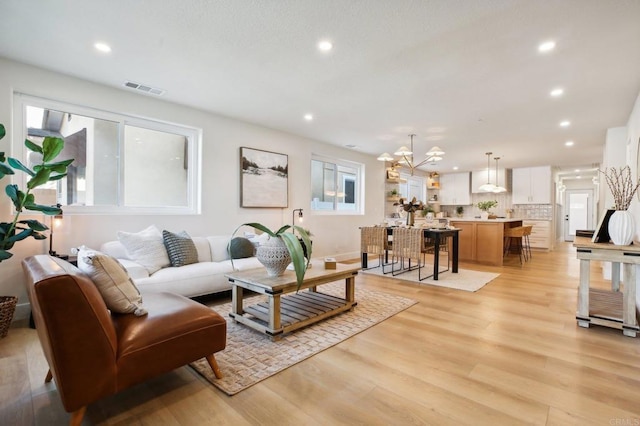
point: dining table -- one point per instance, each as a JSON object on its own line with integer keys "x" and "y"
{"x": 438, "y": 235}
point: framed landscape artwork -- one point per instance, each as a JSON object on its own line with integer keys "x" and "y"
{"x": 264, "y": 178}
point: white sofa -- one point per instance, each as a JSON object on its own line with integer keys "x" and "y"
{"x": 197, "y": 279}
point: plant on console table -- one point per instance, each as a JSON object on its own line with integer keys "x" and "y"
{"x": 623, "y": 188}
{"x": 282, "y": 249}
{"x": 47, "y": 171}
{"x": 484, "y": 206}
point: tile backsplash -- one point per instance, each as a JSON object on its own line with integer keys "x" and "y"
{"x": 524, "y": 211}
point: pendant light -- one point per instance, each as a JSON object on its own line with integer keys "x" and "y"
{"x": 498, "y": 189}
{"x": 488, "y": 187}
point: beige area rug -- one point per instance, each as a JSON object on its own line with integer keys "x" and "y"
{"x": 465, "y": 279}
{"x": 251, "y": 356}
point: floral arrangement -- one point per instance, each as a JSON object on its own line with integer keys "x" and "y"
{"x": 410, "y": 206}
{"x": 486, "y": 205}
{"x": 622, "y": 187}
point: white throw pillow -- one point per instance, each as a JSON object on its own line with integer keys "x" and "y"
{"x": 146, "y": 247}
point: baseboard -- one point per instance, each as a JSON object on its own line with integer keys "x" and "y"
{"x": 23, "y": 311}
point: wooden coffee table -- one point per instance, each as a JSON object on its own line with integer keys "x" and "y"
{"x": 282, "y": 314}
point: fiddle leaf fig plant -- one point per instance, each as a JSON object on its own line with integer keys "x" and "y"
{"x": 47, "y": 171}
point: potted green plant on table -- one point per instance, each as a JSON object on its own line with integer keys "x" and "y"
{"x": 17, "y": 230}
{"x": 459, "y": 211}
{"x": 282, "y": 249}
{"x": 484, "y": 206}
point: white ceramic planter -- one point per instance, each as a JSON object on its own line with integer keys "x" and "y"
{"x": 274, "y": 255}
{"x": 621, "y": 228}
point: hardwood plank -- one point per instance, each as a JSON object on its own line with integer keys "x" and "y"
{"x": 510, "y": 353}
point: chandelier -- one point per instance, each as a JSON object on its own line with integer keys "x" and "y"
{"x": 406, "y": 154}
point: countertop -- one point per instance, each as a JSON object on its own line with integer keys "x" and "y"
{"x": 472, "y": 219}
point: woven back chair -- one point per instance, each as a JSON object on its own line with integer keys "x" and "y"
{"x": 374, "y": 240}
{"x": 408, "y": 245}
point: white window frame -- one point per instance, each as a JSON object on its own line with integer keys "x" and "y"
{"x": 194, "y": 136}
{"x": 359, "y": 187}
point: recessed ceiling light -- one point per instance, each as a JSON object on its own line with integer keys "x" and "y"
{"x": 455, "y": 167}
{"x": 102, "y": 47}
{"x": 308, "y": 117}
{"x": 325, "y": 45}
{"x": 577, "y": 170}
{"x": 565, "y": 123}
{"x": 568, "y": 143}
{"x": 547, "y": 46}
{"x": 557, "y": 92}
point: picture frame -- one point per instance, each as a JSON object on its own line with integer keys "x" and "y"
{"x": 601, "y": 234}
{"x": 264, "y": 178}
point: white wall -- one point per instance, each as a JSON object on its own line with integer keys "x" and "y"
{"x": 336, "y": 236}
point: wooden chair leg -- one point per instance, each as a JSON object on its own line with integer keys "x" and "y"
{"x": 211, "y": 359}
{"x": 49, "y": 377}
{"x": 76, "y": 417}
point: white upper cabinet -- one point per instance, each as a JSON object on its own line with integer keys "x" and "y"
{"x": 454, "y": 189}
{"x": 532, "y": 185}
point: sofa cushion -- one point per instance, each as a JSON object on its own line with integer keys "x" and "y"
{"x": 218, "y": 246}
{"x": 180, "y": 248}
{"x": 116, "y": 288}
{"x": 240, "y": 248}
{"x": 146, "y": 247}
{"x": 204, "y": 251}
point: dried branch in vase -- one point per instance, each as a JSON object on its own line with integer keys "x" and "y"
{"x": 622, "y": 187}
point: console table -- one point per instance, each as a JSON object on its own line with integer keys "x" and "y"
{"x": 610, "y": 308}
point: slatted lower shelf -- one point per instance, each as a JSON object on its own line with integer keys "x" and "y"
{"x": 606, "y": 304}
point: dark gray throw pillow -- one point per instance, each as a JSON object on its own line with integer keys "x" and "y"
{"x": 240, "y": 247}
{"x": 180, "y": 248}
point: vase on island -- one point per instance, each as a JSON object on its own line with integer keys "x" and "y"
{"x": 621, "y": 228}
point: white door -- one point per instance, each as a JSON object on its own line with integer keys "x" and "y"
{"x": 578, "y": 210}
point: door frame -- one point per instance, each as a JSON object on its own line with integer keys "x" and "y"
{"x": 591, "y": 208}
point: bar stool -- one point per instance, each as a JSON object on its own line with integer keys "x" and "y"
{"x": 527, "y": 245}
{"x": 514, "y": 235}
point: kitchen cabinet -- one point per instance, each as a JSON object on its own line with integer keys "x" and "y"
{"x": 540, "y": 237}
{"x": 454, "y": 189}
{"x": 479, "y": 178}
{"x": 531, "y": 185}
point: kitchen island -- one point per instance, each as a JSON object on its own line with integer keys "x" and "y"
{"x": 482, "y": 240}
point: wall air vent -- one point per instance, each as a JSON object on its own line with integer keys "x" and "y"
{"x": 143, "y": 88}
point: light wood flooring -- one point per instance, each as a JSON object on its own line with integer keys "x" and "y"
{"x": 508, "y": 354}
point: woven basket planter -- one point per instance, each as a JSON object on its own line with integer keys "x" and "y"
{"x": 7, "y": 309}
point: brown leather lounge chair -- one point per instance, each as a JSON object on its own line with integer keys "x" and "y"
{"x": 93, "y": 353}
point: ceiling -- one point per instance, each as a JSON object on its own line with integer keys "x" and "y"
{"x": 465, "y": 75}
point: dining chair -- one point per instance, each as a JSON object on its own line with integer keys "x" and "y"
{"x": 408, "y": 245}
{"x": 374, "y": 240}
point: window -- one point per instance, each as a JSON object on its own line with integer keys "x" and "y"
{"x": 121, "y": 163}
{"x": 336, "y": 186}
